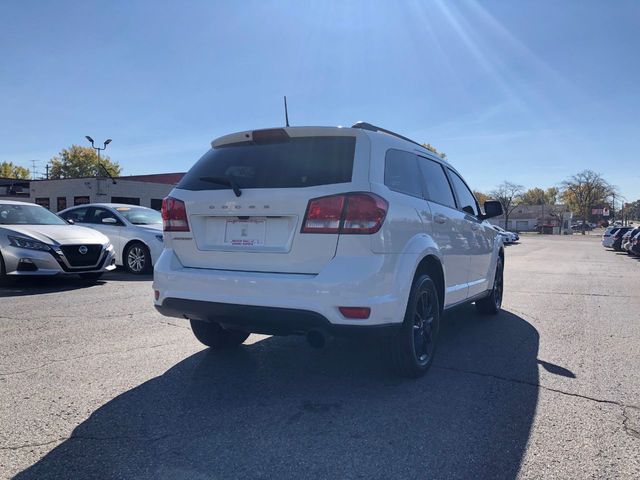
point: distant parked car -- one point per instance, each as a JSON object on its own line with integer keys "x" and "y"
{"x": 627, "y": 237}
{"x": 617, "y": 238}
{"x": 135, "y": 232}
{"x": 508, "y": 237}
{"x": 635, "y": 245}
{"x": 607, "y": 236}
{"x": 34, "y": 241}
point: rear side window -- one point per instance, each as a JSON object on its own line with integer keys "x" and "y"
{"x": 401, "y": 173}
{"x": 438, "y": 188}
{"x": 78, "y": 215}
{"x": 465, "y": 196}
{"x": 295, "y": 163}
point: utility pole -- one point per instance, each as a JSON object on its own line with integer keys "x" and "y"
{"x": 613, "y": 208}
{"x": 34, "y": 171}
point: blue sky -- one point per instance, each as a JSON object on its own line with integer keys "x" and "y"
{"x": 528, "y": 91}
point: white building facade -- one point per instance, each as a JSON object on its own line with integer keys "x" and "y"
{"x": 144, "y": 190}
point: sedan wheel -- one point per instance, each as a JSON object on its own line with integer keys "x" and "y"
{"x": 137, "y": 258}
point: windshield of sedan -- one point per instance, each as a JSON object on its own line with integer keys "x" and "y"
{"x": 12, "y": 214}
{"x": 140, "y": 216}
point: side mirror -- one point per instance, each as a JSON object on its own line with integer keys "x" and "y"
{"x": 70, "y": 221}
{"x": 109, "y": 220}
{"x": 492, "y": 208}
{"x": 468, "y": 210}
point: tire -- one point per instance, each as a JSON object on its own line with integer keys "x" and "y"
{"x": 492, "y": 303}
{"x": 4, "y": 278}
{"x": 412, "y": 349}
{"x": 213, "y": 335}
{"x": 91, "y": 277}
{"x": 137, "y": 259}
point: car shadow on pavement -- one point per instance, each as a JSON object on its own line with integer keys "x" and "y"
{"x": 279, "y": 409}
{"x": 24, "y": 286}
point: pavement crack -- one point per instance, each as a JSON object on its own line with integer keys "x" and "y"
{"x": 60, "y": 360}
{"x": 174, "y": 325}
{"x": 33, "y": 445}
{"x": 576, "y": 294}
{"x": 538, "y": 385}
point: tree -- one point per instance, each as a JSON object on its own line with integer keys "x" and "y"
{"x": 9, "y": 170}
{"x": 433, "y": 149}
{"x": 534, "y": 196}
{"x": 509, "y": 195}
{"x": 551, "y": 195}
{"x": 538, "y": 196}
{"x": 584, "y": 190}
{"x": 480, "y": 197}
{"x": 77, "y": 161}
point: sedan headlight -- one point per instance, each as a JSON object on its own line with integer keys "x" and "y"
{"x": 28, "y": 243}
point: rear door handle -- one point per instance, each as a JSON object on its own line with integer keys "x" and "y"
{"x": 439, "y": 218}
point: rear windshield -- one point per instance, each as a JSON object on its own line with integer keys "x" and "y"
{"x": 295, "y": 163}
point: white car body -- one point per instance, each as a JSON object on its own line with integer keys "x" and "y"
{"x": 288, "y": 281}
{"x": 122, "y": 233}
{"x": 509, "y": 237}
{"x": 607, "y": 237}
{"x": 32, "y": 249}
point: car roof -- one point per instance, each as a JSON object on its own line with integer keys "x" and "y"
{"x": 109, "y": 205}
{"x": 16, "y": 202}
{"x": 391, "y": 140}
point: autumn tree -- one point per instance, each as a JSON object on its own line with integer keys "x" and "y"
{"x": 480, "y": 197}
{"x": 433, "y": 149}
{"x": 534, "y": 196}
{"x": 509, "y": 195}
{"x": 77, "y": 161}
{"x": 538, "y": 196}
{"x": 584, "y": 190}
{"x": 10, "y": 170}
{"x": 551, "y": 195}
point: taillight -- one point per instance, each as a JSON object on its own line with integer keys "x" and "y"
{"x": 355, "y": 213}
{"x": 358, "y": 313}
{"x": 174, "y": 215}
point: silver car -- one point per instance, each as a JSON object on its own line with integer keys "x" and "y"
{"x": 135, "y": 232}
{"x": 34, "y": 241}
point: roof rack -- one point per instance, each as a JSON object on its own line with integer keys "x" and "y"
{"x": 373, "y": 128}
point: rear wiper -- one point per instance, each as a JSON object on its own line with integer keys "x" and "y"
{"x": 228, "y": 181}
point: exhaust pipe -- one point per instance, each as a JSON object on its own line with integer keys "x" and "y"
{"x": 316, "y": 338}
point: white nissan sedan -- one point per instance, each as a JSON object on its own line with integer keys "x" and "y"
{"x": 135, "y": 232}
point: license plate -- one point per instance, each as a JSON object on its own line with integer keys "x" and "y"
{"x": 244, "y": 233}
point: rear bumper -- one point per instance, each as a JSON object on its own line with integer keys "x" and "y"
{"x": 269, "y": 301}
{"x": 265, "y": 320}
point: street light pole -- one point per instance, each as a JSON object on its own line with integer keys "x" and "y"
{"x": 98, "y": 149}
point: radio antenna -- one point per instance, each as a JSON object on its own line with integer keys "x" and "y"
{"x": 286, "y": 112}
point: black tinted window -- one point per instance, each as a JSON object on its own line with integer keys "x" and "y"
{"x": 401, "y": 173}
{"x": 465, "y": 196}
{"x": 78, "y": 215}
{"x": 438, "y": 188}
{"x": 297, "y": 162}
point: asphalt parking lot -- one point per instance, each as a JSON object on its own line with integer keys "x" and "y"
{"x": 95, "y": 384}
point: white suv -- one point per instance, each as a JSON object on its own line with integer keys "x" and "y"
{"x": 326, "y": 231}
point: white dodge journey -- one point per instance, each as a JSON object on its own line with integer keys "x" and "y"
{"x": 326, "y": 231}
